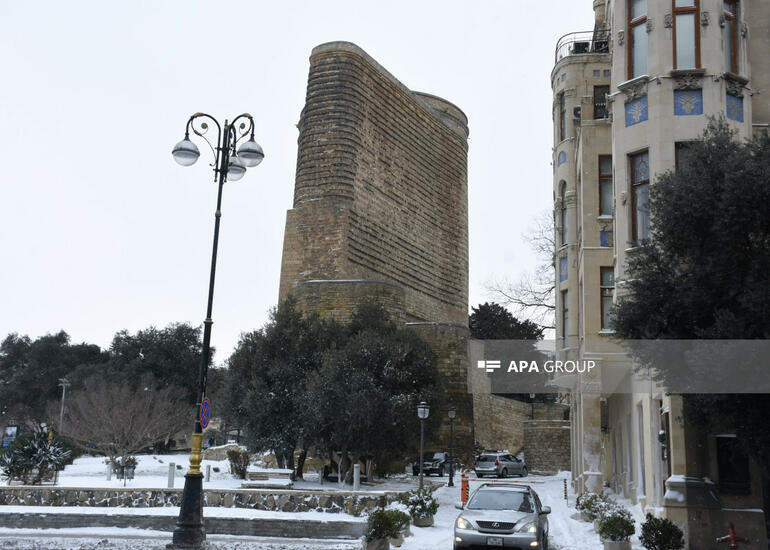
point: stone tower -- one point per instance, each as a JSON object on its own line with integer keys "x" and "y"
{"x": 381, "y": 209}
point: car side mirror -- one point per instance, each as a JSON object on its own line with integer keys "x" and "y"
{"x": 545, "y": 510}
{"x": 459, "y": 505}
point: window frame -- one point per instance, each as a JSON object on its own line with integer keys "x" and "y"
{"x": 634, "y": 185}
{"x": 632, "y": 24}
{"x": 603, "y": 105}
{"x": 679, "y": 148}
{"x": 602, "y": 178}
{"x": 562, "y": 116}
{"x": 565, "y": 317}
{"x": 731, "y": 19}
{"x": 695, "y": 10}
{"x": 602, "y": 292}
{"x": 564, "y": 216}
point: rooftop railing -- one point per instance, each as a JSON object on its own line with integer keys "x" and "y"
{"x": 585, "y": 42}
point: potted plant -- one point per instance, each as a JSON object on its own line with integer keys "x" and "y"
{"x": 381, "y": 528}
{"x": 588, "y": 506}
{"x": 615, "y": 529}
{"x": 661, "y": 534}
{"x": 422, "y": 506}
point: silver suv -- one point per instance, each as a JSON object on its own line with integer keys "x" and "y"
{"x": 500, "y": 464}
{"x": 502, "y": 515}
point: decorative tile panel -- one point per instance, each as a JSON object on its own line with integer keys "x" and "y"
{"x": 563, "y": 275}
{"x": 561, "y": 159}
{"x": 734, "y": 108}
{"x": 688, "y": 102}
{"x": 605, "y": 239}
{"x": 636, "y": 111}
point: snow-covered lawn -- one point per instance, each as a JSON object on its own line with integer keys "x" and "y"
{"x": 152, "y": 473}
{"x": 567, "y": 531}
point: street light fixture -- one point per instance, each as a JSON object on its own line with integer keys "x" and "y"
{"x": 423, "y": 410}
{"x": 229, "y": 164}
{"x": 452, "y": 413}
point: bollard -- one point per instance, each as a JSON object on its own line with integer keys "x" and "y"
{"x": 171, "y": 471}
{"x": 565, "y": 491}
{"x": 321, "y": 475}
{"x": 109, "y": 471}
{"x": 356, "y": 476}
{"x": 208, "y": 472}
{"x": 464, "y": 489}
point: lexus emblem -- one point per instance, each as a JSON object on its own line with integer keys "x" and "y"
{"x": 495, "y": 525}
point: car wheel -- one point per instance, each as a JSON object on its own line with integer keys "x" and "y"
{"x": 504, "y": 473}
{"x": 524, "y": 472}
{"x": 415, "y": 473}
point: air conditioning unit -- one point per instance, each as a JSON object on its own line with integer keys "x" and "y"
{"x": 577, "y": 112}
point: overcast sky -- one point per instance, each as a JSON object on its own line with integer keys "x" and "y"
{"x": 101, "y": 231}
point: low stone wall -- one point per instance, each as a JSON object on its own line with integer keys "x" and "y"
{"x": 351, "y": 503}
{"x": 252, "y": 527}
{"x": 547, "y": 445}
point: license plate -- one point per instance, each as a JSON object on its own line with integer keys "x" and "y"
{"x": 494, "y": 541}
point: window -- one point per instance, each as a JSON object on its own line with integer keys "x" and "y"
{"x": 564, "y": 217}
{"x": 565, "y": 317}
{"x": 637, "y": 38}
{"x": 605, "y": 185}
{"x": 686, "y": 34}
{"x": 682, "y": 151}
{"x": 733, "y": 466}
{"x": 730, "y": 35}
{"x": 607, "y": 286}
{"x": 600, "y": 101}
{"x": 562, "y": 117}
{"x": 640, "y": 195}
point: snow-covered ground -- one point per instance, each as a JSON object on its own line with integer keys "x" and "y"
{"x": 567, "y": 531}
{"x": 152, "y": 473}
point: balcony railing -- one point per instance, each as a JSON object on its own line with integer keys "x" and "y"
{"x": 577, "y": 43}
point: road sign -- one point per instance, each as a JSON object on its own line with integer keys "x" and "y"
{"x": 205, "y": 412}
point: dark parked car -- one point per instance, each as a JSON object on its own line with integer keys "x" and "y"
{"x": 505, "y": 515}
{"x": 500, "y": 464}
{"x": 433, "y": 463}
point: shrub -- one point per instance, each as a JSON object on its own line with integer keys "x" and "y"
{"x": 386, "y": 524}
{"x": 239, "y": 462}
{"x": 661, "y": 534}
{"x": 616, "y": 526}
{"x": 33, "y": 458}
{"x": 421, "y": 503}
{"x": 130, "y": 462}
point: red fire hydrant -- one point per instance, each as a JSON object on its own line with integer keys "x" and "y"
{"x": 732, "y": 538}
{"x": 464, "y": 490}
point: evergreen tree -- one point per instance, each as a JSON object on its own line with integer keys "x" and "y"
{"x": 491, "y": 321}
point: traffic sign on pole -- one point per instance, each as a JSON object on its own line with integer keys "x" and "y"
{"x": 205, "y": 412}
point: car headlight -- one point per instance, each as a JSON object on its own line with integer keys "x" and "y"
{"x": 530, "y": 527}
{"x": 463, "y": 523}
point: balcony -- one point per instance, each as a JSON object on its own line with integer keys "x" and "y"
{"x": 586, "y": 42}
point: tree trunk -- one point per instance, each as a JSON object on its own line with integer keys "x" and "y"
{"x": 349, "y": 473}
{"x": 279, "y": 461}
{"x": 300, "y": 464}
{"x": 290, "y": 459}
{"x": 343, "y": 466}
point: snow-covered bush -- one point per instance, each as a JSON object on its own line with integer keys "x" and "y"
{"x": 386, "y": 524}
{"x": 616, "y": 525}
{"x": 421, "y": 503}
{"x": 596, "y": 506}
{"x": 661, "y": 534}
{"x": 33, "y": 458}
{"x": 239, "y": 462}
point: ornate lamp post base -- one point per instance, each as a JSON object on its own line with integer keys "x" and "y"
{"x": 189, "y": 532}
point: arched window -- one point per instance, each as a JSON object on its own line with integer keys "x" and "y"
{"x": 564, "y": 219}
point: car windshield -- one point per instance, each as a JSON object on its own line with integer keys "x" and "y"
{"x": 487, "y": 458}
{"x": 438, "y": 456}
{"x": 501, "y": 500}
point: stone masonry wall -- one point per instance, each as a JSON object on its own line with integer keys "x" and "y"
{"x": 547, "y": 445}
{"x": 280, "y": 501}
{"x": 381, "y": 187}
{"x": 339, "y": 299}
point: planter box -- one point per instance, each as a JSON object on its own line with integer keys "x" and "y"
{"x": 617, "y": 545}
{"x": 596, "y": 525}
{"x": 423, "y": 522}
{"x": 585, "y": 517}
{"x": 379, "y": 544}
{"x": 397, "y": 541}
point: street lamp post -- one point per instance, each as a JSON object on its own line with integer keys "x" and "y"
{"x": 452, "y": 413}
{"x": 423, "y": 410}
{"x": 64, "y": 383}
{"x": 229, "y": 164}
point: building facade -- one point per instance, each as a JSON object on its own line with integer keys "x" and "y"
{"x": 628, "y": 97}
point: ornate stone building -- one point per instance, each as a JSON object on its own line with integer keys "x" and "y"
{"x": 381, "y": 209}
{"x": 628, "y": 97}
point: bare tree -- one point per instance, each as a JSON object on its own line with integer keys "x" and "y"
{"x": 532, "y": 296}
{"x": 118, "y": 420}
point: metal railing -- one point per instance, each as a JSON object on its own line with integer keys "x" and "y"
{"x": 577, "y": 43}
